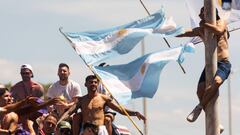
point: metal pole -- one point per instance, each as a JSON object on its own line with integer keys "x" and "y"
{"x": 211, "y": 109}
{"x": 163, "y": 37}
{"x": 229, "y": 104}
{"x": 144, "y": 99}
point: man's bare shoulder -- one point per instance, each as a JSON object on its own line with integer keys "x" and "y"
{"x": 16, "y": 86}
{"x": 36, "y": 85}
{"x": 222, "y": 23}
{"x": 12, "y": 116}
{"x": 105, "y": 98}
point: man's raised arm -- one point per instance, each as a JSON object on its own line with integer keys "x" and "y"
{"x": 117, "y": 108}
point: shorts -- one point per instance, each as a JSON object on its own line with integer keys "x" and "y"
{"x": 223, "y": 71}
{"x": 102, "y": 130}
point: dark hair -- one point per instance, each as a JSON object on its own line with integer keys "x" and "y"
{"x": 63, "y": 65}
{"x": 3, "y": 91}
{"x": 91, "y": 77}
{"x": 51, "y": 115}
{"x": 217, "y": 15}
{"x": 92, "y": 126}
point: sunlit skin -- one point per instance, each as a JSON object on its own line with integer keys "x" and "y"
{"x": 220, "y": 32}
{"x": 92, "y": 105}
{"x": 8, "y": 120}
{"x": 6, "y": 99}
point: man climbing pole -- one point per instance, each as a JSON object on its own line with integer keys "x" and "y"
{"x": 207, "y": 92}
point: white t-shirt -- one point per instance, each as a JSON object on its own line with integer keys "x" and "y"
{"x": 72, "y": 89}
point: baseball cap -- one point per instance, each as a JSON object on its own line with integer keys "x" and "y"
{"x": 64, "y": 124}
{"x": 27, "y": 66}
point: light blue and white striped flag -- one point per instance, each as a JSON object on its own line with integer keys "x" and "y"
{"x": 96, "y": 46}
{"x": 139, "y": 78}
{"x": 194, "y": 7}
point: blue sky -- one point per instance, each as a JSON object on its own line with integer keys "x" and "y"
{"x": 29, "y": 34}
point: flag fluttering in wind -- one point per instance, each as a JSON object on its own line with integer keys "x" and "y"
{"x": 96, "y": 46}
{"x": 139, "y": 78}
{"x": 231, "y": 16}
{"x": 194, "y": 7}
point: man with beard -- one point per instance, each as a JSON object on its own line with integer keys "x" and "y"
{"x": 26, "y": 87}
{"x": 64, "y": 88}
{"x": 92, "y": 106}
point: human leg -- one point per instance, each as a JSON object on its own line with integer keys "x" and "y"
{"x": 108, "y": 119}
{"x": 206, "y": 94}
{"x": 200, "y": 93}
{"x": 204, "y": 97}
{"x": 223, "y": 71}
{"x": 211, "y": 91}
{"x": 77, "y": 120}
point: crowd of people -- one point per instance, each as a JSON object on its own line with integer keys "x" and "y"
{"x": 24, "y": 112}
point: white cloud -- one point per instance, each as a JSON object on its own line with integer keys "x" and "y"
{"x": 9, "y": 72}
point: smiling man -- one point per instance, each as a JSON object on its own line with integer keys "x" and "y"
{"x": 92, "y": 106}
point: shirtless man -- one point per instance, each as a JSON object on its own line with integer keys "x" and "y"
{"x": 26, "y": 87}
{"x": 92, "y": 105}
{"x": 224, "y": 67}
{"x": 8, "y": 118}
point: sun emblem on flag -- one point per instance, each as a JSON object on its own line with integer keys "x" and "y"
{"x": 122, "y": 32}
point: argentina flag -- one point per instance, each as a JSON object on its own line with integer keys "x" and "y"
{"x": 139, "y": 78}
{"x": 96, "y": 46}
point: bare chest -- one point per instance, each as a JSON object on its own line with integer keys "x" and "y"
{"x": 95, "y": 104}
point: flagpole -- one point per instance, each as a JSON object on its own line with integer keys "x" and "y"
{"x": 163, "y": 37}
{"x": 90, "y": 67}
{"x": 230, "y": 104}
{"x": 122, "y": 108}
{"x": 144, "y": 99}
{"x": 234, "y": 29}
{"x": 211, "y": 109}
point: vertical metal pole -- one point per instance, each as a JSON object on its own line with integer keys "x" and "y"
{"x": 211, "y": 110}
{"x": 229, "y": 104}
{"x": 144, "y": 99}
